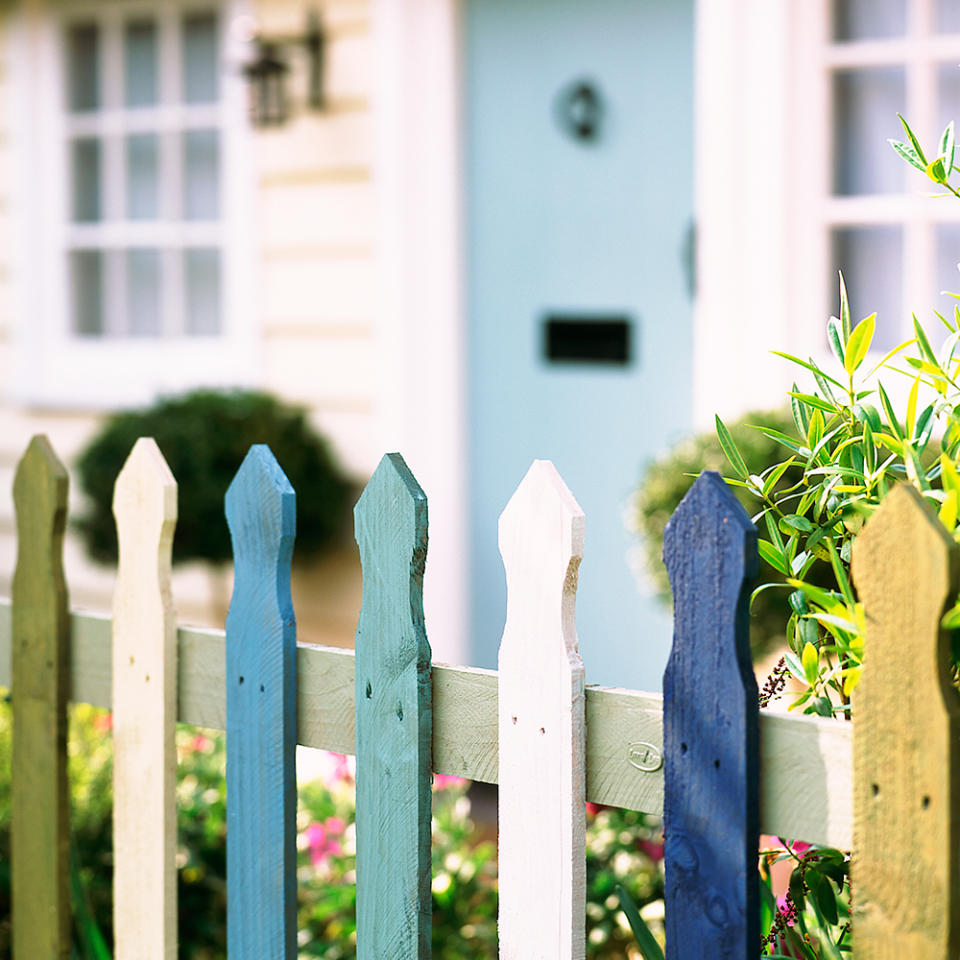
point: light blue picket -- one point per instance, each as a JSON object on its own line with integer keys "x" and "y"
{"x": 710, "y": 731}
{"x": 394, "y": 720}
{"x": 261, "y": 715}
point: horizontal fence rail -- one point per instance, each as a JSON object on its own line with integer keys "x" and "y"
{"x": 806, "y": 785}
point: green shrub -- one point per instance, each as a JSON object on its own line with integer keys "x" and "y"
{"x": 667, "y": 480}
{"x": 204, "y": 437}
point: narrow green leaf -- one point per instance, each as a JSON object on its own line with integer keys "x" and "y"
{"x": 839, "y": 572}
{"x": 913, "y": 140}
{"x": 866, "y": 413}
{"x": 888, "y": 410}
{"x": 809, "y": 365}
{"x": 844, "y": 310}
{"x": 730, "y": 449}
{"x": 784, "y": 439}
{"x": 815, "y": 431}
{"x": 810, "y": 660}
{"x": 645, "y": 939}
{"x": 923, "y": 342}
{"x": 912, "y": 408}
{"x": 775, "y": 474}
{"x": 776, "y": 559}
{"x": 935, "y": 171}
{"x": 797, "y": 523}
{"x": 888, "y": 355}
{"x": 834, "y": 336}
{"x": 814, "y": 401}
{"x": 908, "y": 154}
{"x": 859, "y": 343}
{"x": 799, "y": 412}
{"x": 947, "y": 144}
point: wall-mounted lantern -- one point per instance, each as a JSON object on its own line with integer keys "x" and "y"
{"x": 267, "y": 73}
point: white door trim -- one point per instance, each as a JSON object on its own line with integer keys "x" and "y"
{"x": 420, "y": 318}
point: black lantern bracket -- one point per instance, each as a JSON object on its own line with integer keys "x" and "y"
{"x": 267, "y": 74}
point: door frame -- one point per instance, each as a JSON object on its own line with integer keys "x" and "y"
{"x": 421, "y": 316}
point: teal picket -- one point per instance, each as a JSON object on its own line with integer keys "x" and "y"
{"x": 261, "y": 661}
{"x": 394, "y": 720}
{"x": 710, "y": 731}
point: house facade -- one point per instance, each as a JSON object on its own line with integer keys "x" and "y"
{"x": 516, "y": 229}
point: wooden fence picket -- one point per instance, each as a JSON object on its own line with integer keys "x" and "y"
{"x": 906, "y": 739}
{"x": 394, "y": 720}
{"x": 542, "y": 735}
{"x": 40, "y": 829}
{"x": 710, "y": 731}
{"x": 261, "y": 651}
{"x": 144, "y": 711}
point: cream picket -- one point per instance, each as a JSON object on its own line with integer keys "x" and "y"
{"x": 542, "y": 732}
{"x": 144, "y": 699}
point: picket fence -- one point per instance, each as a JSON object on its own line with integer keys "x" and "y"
{"x": 886, "y": 785}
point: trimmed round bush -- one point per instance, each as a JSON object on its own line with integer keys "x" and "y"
{"x": 204, "y": 436}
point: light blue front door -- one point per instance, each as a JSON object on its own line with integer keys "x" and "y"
{"x": 579, "y": 201}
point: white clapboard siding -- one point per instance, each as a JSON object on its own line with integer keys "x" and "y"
{"x": 347, "y": 288}
{"x": 541, "y": 725}
{"x": 323, "y": 215}
{"x": 316, "y": 144}
{"x": 144, "y": 711}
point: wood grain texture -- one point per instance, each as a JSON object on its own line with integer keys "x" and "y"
{"x": 806, "y": 762}
{"x": 261, "y": 682}
{"x": 906, "y": 739}
{"x": 144, "y": 711}
{"x": 710, "y": 731}
{"x": 40, "y": 830}
{"x": 394, "y": 720}
{"x": 542, "y": 813}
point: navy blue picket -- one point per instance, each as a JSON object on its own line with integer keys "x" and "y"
{"x": 261, "y": 715}
{"x": 394, "y": 720}
{"x": 710, "y": 721}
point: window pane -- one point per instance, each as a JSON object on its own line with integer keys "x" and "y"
{"x": 143, "y": 185}
{"x": 203, "y": 291}
{"x": 948, "y": 95}
{"x": 871, "y": 259}
{"x": 865, "y": 105}
{"x": 947, "y": 16}
{"x": 85, "y": 179}
{"x": 948, "y": 256}
{"x": 140, "y": 63}
{"x": 143, "y": 292}
{"x": 868, "y": 19}
{"x": 201, "y": 62}
{"x": 86, "y": 286}
{"x": 83, "y": 67}
{"x": 201, "y": 181}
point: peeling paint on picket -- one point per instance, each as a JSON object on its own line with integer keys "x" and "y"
{"x": 261, "y": 651}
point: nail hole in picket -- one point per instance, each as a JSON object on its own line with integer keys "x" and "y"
{"x": 241, "y": 679}
{"x": 369, "y": 690}
{"x": 926, "y": 803}
{"x": 514, "y": 721}
{"x": 716, "y": 764}
{"x": 131, "y": 661}
{"x": 683, "y": 748}
{"x": 146, "y": 678}
{"x": 542, "y": 730}
{"x": 261, "y": 688}
{"x": 876, "y": 789}
{"x": 399, "y": 711}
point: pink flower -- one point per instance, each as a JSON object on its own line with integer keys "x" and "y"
{"x": 652, "y": 848}
{"x": 200, "y": 743}
{"x": 593, "y": 808}
{"x": 441, "y": 781}
{"x": 319, "y": 841}
{"x": 103, "y": 722}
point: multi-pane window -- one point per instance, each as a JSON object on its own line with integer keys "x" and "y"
{"x": 897, "y": 248}
{"x": 143, "y": 128}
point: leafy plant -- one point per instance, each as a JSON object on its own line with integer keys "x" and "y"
{"x": 204, "y": 436}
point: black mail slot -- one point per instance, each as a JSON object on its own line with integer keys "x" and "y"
{"x": 583, "y": 339}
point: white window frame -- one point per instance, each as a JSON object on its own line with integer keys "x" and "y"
{"x": 55, "y": 367}
{"x": 763, "y": 191}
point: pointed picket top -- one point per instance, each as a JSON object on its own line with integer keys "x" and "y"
{"x": 40, "y": 629}
{"x": 906, "y": 738}
{"x": 144, "y": 710}
{"x": 261, "y": 649}
{"x": 542, "y": 731}
{"x": 394, "y": 719}
{"x": 710, "y": 718}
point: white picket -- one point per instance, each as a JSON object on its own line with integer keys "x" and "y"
{"x": 144, "y": 711}
{"x": 542, "y": 730}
